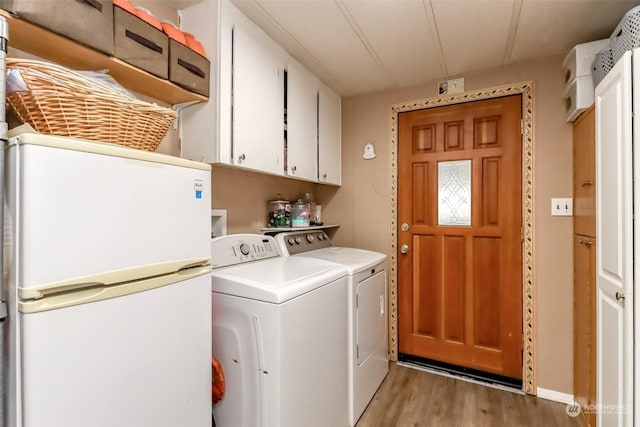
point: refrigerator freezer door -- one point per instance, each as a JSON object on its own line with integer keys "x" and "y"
{"x": 89, "y": 208}
{"x": 82, "y": 365}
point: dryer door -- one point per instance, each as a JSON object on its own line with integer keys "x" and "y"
{"x": 371, "y": 316}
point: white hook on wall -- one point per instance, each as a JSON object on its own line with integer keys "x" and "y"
{"x": 369, "y": 152}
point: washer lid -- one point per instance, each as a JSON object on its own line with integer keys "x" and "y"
{"x": 275, "y": 280}
{"x": 355, "y": 260}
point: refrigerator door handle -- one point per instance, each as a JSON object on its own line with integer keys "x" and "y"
{"x": 97, "y": 292}
{"x": 112, "y": 278}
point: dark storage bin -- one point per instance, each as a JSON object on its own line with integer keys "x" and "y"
{"x": 141, "y": 44}
{"x": 86, "y": 21}
{"x": 188, "y": 68}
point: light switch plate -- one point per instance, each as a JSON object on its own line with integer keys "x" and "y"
{"x": 562, "y": 207}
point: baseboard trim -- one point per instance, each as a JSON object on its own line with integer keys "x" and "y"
{"x": 556, "y": 396}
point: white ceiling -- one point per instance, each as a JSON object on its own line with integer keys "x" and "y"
{"x": 359, "y": 46}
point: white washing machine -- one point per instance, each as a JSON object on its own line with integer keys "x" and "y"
{"x": 279, "y": 330}
{"x": 368, "y": 345}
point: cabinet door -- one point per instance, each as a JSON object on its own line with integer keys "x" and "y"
{"x": 584, "y": 207}
{"x": 584, "y": 314}
{"x": 257, "y": 100}
{"x": 614, "y": 250}
{"x": 302, "y": 123}
{"x": 329, "y": 136}
{"x": 204, "y": 136}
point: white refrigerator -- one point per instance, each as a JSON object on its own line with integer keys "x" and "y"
{"x": 107, "y": 254}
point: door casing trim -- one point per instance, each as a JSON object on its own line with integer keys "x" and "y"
{"x": 526, "y": 89}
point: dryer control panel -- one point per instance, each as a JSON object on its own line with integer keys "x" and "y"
{"x": 240, "y": 248}
{"x": 297, "y": 242}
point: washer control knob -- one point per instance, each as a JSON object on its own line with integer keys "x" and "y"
{"x": 320, "y": 236}
{"x": 244, "y": 249}
{"x": 310, "y": 238}
{"x": 298, "y": 240}
{"x": 290, "y": 241}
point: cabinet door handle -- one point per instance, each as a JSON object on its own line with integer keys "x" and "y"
{"x": 586, "y": 183}
{"x": 324, "y": 176}
{"x": 293, "y": 169}
{"x": 587, "y": 243}
{"x": 242, "y": 157}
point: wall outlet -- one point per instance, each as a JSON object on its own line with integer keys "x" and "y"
{"x": 562, "y": 207}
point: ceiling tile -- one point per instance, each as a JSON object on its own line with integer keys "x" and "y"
{"x": 553, "y": 27}
{"x": 473, "y": 33}
{"x": 322, "y": 29}
{"x": 399, "y": 34}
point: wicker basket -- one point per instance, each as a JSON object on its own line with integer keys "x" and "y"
{"x": 62, "y": 102}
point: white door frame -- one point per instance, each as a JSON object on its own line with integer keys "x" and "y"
{"x": 526, "y": 89}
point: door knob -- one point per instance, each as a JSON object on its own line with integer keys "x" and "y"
{"x": 404, "y": 226}
{"x": 619, "y": 296}
{"x": 404, "y": 249}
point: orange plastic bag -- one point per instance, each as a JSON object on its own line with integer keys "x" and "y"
{"x": 217, "y": 381}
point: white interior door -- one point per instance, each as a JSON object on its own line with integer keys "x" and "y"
{"x": 614, "y": 256}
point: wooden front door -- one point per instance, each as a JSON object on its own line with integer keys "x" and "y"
{"x": 459, "y": 235}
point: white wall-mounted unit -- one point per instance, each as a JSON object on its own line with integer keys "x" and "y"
{"x": 577, "y": 67}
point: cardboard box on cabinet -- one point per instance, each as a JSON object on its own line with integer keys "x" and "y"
{"x": 89, "y": 22}
{"x": 188, "y": 68}
{"x": 140, "y": 43}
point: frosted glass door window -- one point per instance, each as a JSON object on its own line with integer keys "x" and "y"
{"x": 454, "y": 192}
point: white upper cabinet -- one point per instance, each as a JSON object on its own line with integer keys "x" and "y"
{"x": 258, "y": 100}
{"x": 302, "y": 122}
{"x": 329, "y": 136}
{"x": 203, "y": 136}
{"x": 243, "y": 123}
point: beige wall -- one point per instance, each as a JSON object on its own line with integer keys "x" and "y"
{"x": 245, "y": 194}
{"x": 363, "y": 199}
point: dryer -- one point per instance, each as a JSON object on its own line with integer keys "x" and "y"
{"x": 368, "y": 358}
{"x": 279, "y": 330}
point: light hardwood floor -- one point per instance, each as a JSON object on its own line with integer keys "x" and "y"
{"x": 413, "y": 398}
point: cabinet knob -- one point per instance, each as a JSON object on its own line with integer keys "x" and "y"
{"x": 619, "y": 296}
{"x": 242, "y": 157}
{"x": 586, "y": 183}
{"x": 293, "y": 169}
{"x": 587, "y": 243}
{"x": 324, "y": 176}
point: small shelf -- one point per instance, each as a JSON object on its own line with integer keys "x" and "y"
{"x": 43, "y": 43}
{"x": 275, "y": 230}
